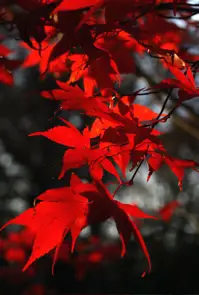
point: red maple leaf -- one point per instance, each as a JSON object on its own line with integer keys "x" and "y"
{"x": 177, "y": 166}
{"x": 73, "y": 98}
{"x": 81, "y": 152}
{"x": 71, "y": 209}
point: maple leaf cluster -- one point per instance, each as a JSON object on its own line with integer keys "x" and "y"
{"x": 93, "y": 42}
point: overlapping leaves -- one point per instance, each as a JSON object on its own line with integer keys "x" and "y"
{"x": 93, "y": 43}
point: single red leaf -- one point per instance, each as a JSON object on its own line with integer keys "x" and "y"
{"x": 96, "y": 171}
{"x": 166, "y": 212}
{"x": 178, "y": 166}
{"x": 122, "y": 160}
{"x": 73, "y": 159}
{"x": 108, "y": 166}
{"x": 57, "y": 195}
{"x": 155, "y": 162}
{"x": 143, "y": 113}
{"x": 74, "y": 5}
{"x": 62, "y": 135}
{"x": 135, "y": 211}
{"x": 50, "y": 221}
{"x": 75, "y": 181}
{"x": 35, "y": 57}
{"x": 125, "y": 228}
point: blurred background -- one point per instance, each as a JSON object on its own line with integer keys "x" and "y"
{"x": 28, "y": 166}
